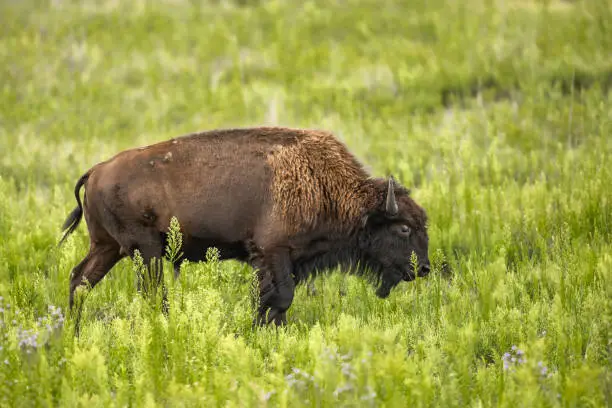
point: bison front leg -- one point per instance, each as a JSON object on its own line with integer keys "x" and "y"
{"x": 280, "y": 319}
{"x": 276, "y": 288}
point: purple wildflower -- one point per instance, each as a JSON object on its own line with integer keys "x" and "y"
{"x": 28, "y": 340}
{"x": 543, "y": 368}
{"x": 506, "y": 360}
{"x": 513, "y": 358}
{"x": 56, "y": 316}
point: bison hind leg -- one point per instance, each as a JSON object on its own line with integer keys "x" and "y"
{"x": 96, "y": 264}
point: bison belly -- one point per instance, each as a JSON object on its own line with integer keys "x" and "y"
{"x": 195, "y": 249}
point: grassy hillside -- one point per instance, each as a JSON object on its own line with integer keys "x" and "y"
{"x": 497, "y": 114}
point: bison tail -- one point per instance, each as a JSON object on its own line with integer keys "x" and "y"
{"x": 73, "y": 220}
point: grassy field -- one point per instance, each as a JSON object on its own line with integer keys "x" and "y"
{"x": 497, "y": 114}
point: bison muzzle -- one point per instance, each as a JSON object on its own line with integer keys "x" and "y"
{"x": 289, "y": 202}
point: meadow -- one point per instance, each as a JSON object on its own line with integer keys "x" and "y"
{"x": 497, "y": 115}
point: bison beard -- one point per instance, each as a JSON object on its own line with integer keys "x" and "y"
{"x": 289, "y": 202}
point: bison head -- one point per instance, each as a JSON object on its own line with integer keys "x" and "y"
{"x": 391, "y": 233}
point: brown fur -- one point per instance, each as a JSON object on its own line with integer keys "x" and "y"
{"x": 318, "y": 183}
{"x": 297, "y": 198}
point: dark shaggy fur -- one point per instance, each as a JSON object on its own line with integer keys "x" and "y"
{"x": 290, "y": 202}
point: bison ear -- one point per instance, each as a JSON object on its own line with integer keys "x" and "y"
{"x": 391, "y": 204}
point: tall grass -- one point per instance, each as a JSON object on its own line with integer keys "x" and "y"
{"x": 496, "y": 114}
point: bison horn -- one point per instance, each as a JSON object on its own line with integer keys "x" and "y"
{"x": 391, "y": 206}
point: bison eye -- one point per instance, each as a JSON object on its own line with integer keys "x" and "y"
{"x": 405, "y": 230}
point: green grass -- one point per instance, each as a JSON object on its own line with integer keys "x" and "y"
{"x": 497, "y": 114}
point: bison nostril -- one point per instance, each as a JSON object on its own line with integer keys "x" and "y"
{"x": 424, "y": 270}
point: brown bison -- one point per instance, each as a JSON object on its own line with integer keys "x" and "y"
{"x": 290, "y": 202}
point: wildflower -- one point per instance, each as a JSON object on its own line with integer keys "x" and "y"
{"x": 292, "y": 379}
{"x": 347, "y": 370}
{"x": 268, "y": 394}
{"x": 515, "y": 357}
{"x": 506, "y": 360}
{"x": 342, "y": 389}
{"x": 56, "y": 313}
{"x": 367, "y": 356}
{"x": 371, "y": 395}
{"x": 543, "y": 368}
{"x": 28, "y": 340}
{"x": 346, "y": 356}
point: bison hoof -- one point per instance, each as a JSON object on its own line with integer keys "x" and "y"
{"x": 266, "y": 317}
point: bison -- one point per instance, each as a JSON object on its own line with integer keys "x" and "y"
{"x": 290, "y": 202}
